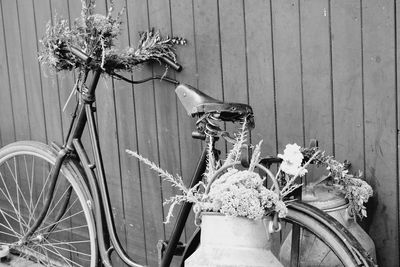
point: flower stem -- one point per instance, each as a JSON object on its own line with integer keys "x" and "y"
{"x": 285, "y": 190}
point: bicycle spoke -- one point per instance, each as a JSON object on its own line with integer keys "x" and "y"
{"x": 47, "y": 226}
{"x": 65, "y": 249}
{"x": 71, "y": 242}
{"x": 9, "y": 198}
{"x": 59, "y": 199}
{"x": 11, "y": 228}
{"x": 57, "y": 253}
{"x": 16, "y": 213}
{"x": 5, "y": 243}
{"x": 31, "y": 252}
{"x": 45, "y": 253}
{"x": 13, "y": 176}
{"x": 36, "y": 253}
{"x": 65, "y": 212}
{"x": 40, "y": 195}
{"x": 69, "y": 229}
{"x": 4, "y": 233}
{"x": 12, "y": 217}
{"x": 323, "y": 259}
{"x": 18, "y": 190}
{"x": 29, "y": 206}
{"x": 53, "y": 240}
{"x": 30, "y": 185}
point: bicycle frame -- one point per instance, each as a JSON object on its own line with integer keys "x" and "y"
{"x": 97, "y": 183}
{"x": 99, "y": 202}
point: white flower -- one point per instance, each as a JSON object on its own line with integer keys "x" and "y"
{"x": 292, "y": 159}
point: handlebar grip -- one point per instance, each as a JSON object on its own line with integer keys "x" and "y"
{"x": 80, "y": 54}
{"x": 176, "y": 66}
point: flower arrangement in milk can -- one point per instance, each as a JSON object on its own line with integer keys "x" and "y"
{"x": 232, "y": 190}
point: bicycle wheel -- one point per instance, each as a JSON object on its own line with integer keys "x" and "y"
{"x": 335, "y": 245}
{"x": 67, "y": 236}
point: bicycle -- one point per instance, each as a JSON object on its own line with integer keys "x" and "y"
{"x": 55, "y": 207}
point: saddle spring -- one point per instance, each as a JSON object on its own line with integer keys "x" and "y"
{"x": 212, "y": 127}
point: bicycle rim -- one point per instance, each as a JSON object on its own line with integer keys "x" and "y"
{"x": 67, "y": 235}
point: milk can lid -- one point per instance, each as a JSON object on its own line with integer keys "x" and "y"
{"x": 324, "y": 197}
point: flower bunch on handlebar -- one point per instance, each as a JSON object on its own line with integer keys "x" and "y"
{"x": 95, "y": 34}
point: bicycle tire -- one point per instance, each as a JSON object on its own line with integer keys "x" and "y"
{"x": 331, "y": 233}
{"x": 340, "y": 241}
{"x": 67, "y": 236}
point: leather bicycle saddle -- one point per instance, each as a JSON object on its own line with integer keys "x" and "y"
{"x": 198, "y": 103}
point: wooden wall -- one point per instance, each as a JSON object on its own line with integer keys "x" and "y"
{"x": 325, "y": 69}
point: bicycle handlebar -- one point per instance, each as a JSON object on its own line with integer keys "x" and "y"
{"x": 176, "y": 66}
{"x": 87, "y": 59}
{"x": 79, "y": 54}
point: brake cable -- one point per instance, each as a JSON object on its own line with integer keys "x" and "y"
{"x": 162, "y": 78}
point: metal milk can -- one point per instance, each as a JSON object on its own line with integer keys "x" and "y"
{"x": 313, "y": 252}
{"x": 233, "y": 241}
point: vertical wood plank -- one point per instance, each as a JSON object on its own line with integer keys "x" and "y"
{"x": 65, "y": 79}
{"x": 190, "y": 149}
{"x": 51, "y": 100}
{"x": 397, "y": 8}
{"x": 74, "y": 10}
{"x": 208, "y": 51}
{"x": 208, "y": 47}
{"x": 109, "y": 142}
{"x": 127, "y": 139}
{"x": 260, "y": 73}
{"x": 166, "y": 111}
{"x": 380, "y": 125}
{"x": 7, "y": 131}
{"x": 260, "y": 62}
{"x": 147, "y": 139}
{"x": 317, "y": 93}
{"x": 347, "y": 82}
{"x": 16, "y": 67}
{"x": 233, "y": 50}
{"x": 316, "y": 71}
{"x": 31, "y": 71}
{"x": 233, "y": 54}
{"x": 288, "y": 72}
